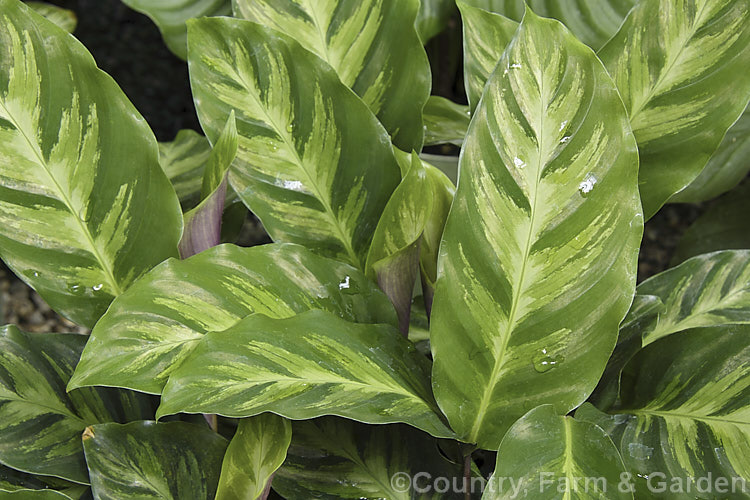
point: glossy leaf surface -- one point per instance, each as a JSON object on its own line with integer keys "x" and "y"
{"x": 680, "y": 66}
{"x": 64, "y": 18}
{"x": 313, "y": 164}
{"x": 373, "y": 46}
{"x": 445, "y": 121}
{"x": 84, "y": 207}
{"x": 539, "y": 253}
{"x": 152, "y": 328}
{"x": 307, "y": 366}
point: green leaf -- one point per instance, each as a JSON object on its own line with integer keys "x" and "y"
{"x": 546, "y": 456}
{"x": 84, "y": 207}
{"x": 681, "y": 69}
{"x": 707, "y": 290}
{"x": 393, "y": 260}
{"x": 41, "y": 425}
{"x": 727, "y": 167}
{"x": 538, "y": 259}
{"x": 64, "y": 18}
{"x": 306, "y": 366}
{"x": 184, "y": 161}
{"x": 170, "y": 16}
{"x": 373, "y": 46}
{"x": 170, "y": 461}
{"x": 446, "y": 164}
{"x": 433, "y": 17}
{"x": 445, "y": 122}
{"x": 685, "y": 414}
{"x": 25, "y": 494}
{"x": 150, "y": 329}
{"x": 333, "y": 458}
{"x": 313, "y": 163}
{"x": 723, "y": 226}
{"x": 256, "y": 451}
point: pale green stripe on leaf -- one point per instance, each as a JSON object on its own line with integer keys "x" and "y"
{"x": 539, "y": 253}
{"x": 184, "y": 161}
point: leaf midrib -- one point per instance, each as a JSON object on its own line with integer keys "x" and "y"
{"x": 666, "y": 415}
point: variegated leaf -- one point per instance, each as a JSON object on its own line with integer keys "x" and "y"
{"x": 26, "y": 494}
{"x": 25, "y": 486}
{"x": 433, "y": 17}
{"x": 546, "y": 456}
{"x": 184, "y": 160}
{"x": 256, "y": 451}
{"x": 64, "y": 18}
{"x": 306, "y": 366}
{"x": 539, "y": 254}
{"x": 727, "y": 167}
{"x": 373, "y": 46}
{"x": 41, "y": 425}
{"x": 84, "y": 207}
{"x": 150, "y": 329}
{"x": 332, "y": 458}
{"x": 170, "y": 16}
{"x": 313, "y": 164}
{"x": 685, "y": 413}
{"x": 724, "y": 226}
{"x": 707, "y": 290}
{"x": 445, "y": 122}
{"x": 145, "y": 460}
{"x": 681, "y": 69}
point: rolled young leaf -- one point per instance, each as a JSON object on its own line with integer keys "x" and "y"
{"x": 538, "y": 258}
{"x": 373, "y": 46}
{"x": 40, "y": 424}
{"x": 64, "y": 18}
{"x": 546, "y": 456}
{"x": 256, "y": 451}
{"x": 306, "y": 366}
{"x": 313, "y": 164}
{"x": 149, "y": 330}
{"x": 445, "y": 121}
{"x": 170, "y": 17}
{"x": 681, "y": 69}
{"x": 84, "y": 207}
{"x": 170, "y": 461}
{"x": 184, "y": 161}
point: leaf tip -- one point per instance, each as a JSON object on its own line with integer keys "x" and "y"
{"x": 88, "y": 433}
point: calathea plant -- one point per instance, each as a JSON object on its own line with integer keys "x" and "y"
{"x": 304, "y": 368}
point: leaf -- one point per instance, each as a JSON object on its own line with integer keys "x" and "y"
{"x": 171, "y": 461}
{"x": 433, "y": 17}
{"x": 184, "y": 161}
{"x": 446, "y": 122}
{"x": 708, "y": 290}
{"x": 203, "y": 223}
{"x": 728, "y": 166}
{"x": 41, "y": 425}
{"x": 722, "y": 227}
{"x": 32, "y": 495}
{"x": 548, "y": 456}
{"x": 485, "y": 37}
{"x": 333, "y": 458}
{"x": 306, "y": 366}
{"x": 84, "y": 207}
{"x": 170, "y": 17}
{"x": 393, "y": 260}
{"x": 373, "y": 46}
{"x": 256, "y": 451}
{"x": 149, "y": 330}
{"x": 680, "y": 67}
{"x": 446, "y": 164}
{"x": 685, "y": 413}
{"x": 538, "y": 258}
{"x": 64, "y": 18}
{"x": 313, "y": 162}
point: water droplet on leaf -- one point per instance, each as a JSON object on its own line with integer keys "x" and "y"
{"x": 587, "y": 185}
{"x": 640, "y": 451}
{"x": 98, "y": 287}
{"x": 519, "y": 163}
{"x": 345, "y": 283}
{"x": 545, "y": 362}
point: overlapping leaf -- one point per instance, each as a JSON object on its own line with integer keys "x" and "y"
{"x": 19, "y": 485}
{"x": 306, "y": 366}
{"x": 546, "y": 456}
{"x": 64, "y": 18}
{"x": 681, "y": 68}
{"x": 150, "y": 329}
{"x": 685, "y": 413}
{"x": 333, "y": 458}
{"x": 84, "y": 207}
{"x": 170, "y": 16}
{"x": 433, "y": 17}
{"x": 707, "y": 290}
{"x": 539, "y": 253}
{"x": 313, "y": 163}
{"x": 445, "y": 121}
{"x": 184, "y": 160}
{"x": 41, "y": 425}
{"x": 373, "y": 46}
{"x": 256, "y": 451}
{"x": 169, "y": 461}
